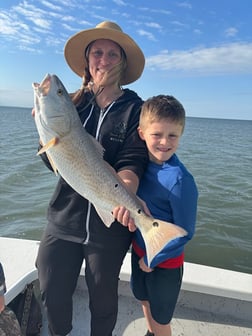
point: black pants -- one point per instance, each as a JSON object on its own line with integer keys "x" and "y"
{"x": 59, "y": 263}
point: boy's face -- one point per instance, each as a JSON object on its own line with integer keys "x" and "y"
{"x": 161, "y": 138}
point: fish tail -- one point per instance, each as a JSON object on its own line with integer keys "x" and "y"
{"x": 159, "y": 235}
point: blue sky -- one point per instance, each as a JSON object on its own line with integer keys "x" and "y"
{"x": 199, "y": 51}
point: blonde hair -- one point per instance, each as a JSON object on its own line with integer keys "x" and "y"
{"x": 162, "y": 107}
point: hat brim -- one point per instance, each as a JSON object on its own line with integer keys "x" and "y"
{"x": 75, "y": 51}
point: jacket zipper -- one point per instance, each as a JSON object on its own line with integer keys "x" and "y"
{"x": 100, "y": 121}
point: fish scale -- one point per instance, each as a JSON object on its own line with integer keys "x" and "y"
{"x": 78, "y": 158}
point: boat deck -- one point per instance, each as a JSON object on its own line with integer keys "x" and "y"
{"x": 186, "y": 321}
{"x": 212, "y": 302}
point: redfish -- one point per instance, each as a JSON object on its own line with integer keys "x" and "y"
{"x": 78, "y": 158}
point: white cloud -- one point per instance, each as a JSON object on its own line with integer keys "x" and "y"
{"x": 69, "y": 28}
{"x": 119, "y": 2}
{"x": 179, "y": 24}
{"x": 231, "y": 32}
{"x": 33, "y": 14}
{"x": 16, "y": 30}
{"x": 50, "y": 5}
{"x": 153, "y": 25}
{"x": 157, "y": 11}
{"x": 184, "y": 5}
{"x": 41, "y": 22}
{"x": 197, "y": 31}
{"x": 149, "y": 35}
{"x": 6, "y": 24}
{"x": 229, "y": 58}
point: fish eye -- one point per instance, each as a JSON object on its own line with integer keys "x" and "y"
{"x": 60, "y": 92}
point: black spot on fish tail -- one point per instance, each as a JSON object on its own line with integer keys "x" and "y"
{"x": 155, "y": 224}
{"x": 116, "y": 185}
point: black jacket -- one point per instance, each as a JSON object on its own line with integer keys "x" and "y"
{"x": 69, "y": 215}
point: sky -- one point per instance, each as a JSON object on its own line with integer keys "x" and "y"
{"x": 198, "y": 51}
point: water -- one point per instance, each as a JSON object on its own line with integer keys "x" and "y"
{"x": 217, "y": 152}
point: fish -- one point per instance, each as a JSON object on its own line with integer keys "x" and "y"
{"x": 77, "y": 157}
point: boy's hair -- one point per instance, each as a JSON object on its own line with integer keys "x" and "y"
{"x": 162, "y": 107}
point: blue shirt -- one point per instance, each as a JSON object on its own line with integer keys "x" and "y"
{"x": 171, "y": 194}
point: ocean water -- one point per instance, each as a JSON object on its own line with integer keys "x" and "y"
{"x": 217, "y": 152}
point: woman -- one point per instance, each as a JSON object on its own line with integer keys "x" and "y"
{"x": 105, "y": 58}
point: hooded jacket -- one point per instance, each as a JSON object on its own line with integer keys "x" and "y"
{"x": 72, "y": 217}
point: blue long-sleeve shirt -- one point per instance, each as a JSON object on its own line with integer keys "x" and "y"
{"x": 171, "y": 194}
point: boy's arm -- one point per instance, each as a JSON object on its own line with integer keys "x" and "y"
{"x": 183, "y": 200}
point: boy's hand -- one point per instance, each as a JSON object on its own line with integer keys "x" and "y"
{"x": 144, "y": 267}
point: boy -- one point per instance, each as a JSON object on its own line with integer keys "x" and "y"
{"x": 170, "y": 194}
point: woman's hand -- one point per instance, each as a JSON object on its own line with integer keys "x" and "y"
{"x": 122, "y": 215}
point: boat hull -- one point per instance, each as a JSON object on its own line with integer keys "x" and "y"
{"x": 212, "y": 301}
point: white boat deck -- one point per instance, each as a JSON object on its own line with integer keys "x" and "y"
{"x": 213, "y": 302}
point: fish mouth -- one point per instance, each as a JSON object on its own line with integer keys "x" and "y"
{"x": 43, "y": 88}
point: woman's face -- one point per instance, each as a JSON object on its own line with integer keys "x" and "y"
{"x": 103, "y": 56}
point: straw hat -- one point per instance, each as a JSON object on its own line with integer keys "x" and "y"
{"x": 76, "y": 46}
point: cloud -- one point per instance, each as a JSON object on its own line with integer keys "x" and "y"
{"x": 225, "y": 59}
{"x": 15, "y": 25}
{"x": 14, "y": 29}
{"x": 9, "y": 24}
{"x": 31, "y": 29}
{"x": 149, "y": 35}
{"x": 33, "y": 14}
{"x": 153, "y": 25}
{"x": 184, "y": 5}
{"x": 231, "y": 32}
{"x": 197, "y": 31}
{"x": 119, "y": 2}
{"x": 156, "y": 11}
{"x": 51, "y": 6}
{"x": 179, "y": 25}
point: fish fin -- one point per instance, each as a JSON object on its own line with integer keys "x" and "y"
{"x": 42, "y": 150}
{"x": 106, "y": 217}
{"x": 49, "y": 145}
{"x": 159, "y": 235}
